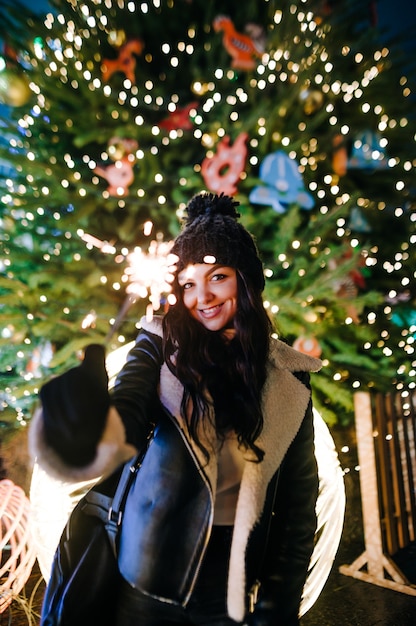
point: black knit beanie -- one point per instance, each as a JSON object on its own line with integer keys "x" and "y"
{"x": 212, "y": 234}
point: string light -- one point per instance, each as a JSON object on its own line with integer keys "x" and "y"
{"x": 298, "y": 53}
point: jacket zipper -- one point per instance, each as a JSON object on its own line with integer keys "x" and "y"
{"x": 208, "y": 533}
{"x": 253, "y": 596}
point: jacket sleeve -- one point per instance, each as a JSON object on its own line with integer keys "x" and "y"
{"x": 292, "y": 533}
{"x": 134, "y": 403}
{"x": 135, "y": 392}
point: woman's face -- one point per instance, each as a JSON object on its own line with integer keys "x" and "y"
{"x": 210, "y": 294}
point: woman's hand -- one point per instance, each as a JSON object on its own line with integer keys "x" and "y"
{"x": 75, "y": 406}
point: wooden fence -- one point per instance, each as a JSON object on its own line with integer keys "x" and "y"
{"x": 386, "y": 436}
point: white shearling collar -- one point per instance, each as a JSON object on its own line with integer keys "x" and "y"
{"x": 282, "y": 355}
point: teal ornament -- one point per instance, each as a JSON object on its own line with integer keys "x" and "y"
{"x": 283, "y": 184}
{"x": 367, "y": 152}
{"x": 405, "y": 317}
{"x": 357, "y": 221}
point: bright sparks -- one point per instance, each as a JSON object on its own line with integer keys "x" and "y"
{"x": 150, "y": 274}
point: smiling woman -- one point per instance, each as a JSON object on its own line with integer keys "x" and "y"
{"x": 227, "y": 490}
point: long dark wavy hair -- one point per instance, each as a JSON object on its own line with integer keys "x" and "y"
{"x": 232, "y": 372}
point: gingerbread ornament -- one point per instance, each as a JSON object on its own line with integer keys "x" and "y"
{"x": 125, "y": 62}
{"x": 119, "y": 176}
{"x": 242, "y": 48}
{"x": 222, "y": 171}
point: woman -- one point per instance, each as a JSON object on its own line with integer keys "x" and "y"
{"x": 224, "y": 519}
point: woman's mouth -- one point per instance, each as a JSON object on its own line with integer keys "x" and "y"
{"x": 210, "y": 312}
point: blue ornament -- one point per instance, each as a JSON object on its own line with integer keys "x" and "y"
{"x": 404, "y": 317}
{"x": 367, "y": 152}
{"x": 283, "y": 184}
{"x": 357, "y": 221}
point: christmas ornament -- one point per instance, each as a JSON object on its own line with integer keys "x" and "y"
{"x": 242, "y": 48}
{"x": 120, "y": 147}
{"x": 312, "y": 100}
{"x": 404, "y": 317}
{"x": 10, "y": 53}
{"x": 17, "y": 550}
{"x": 357, "y": 221}
{"x": 180, "y": 118}
{"x": 339, "y": 155}
{"x": 308, "y": 345}
{"x": 222, "y": 171}
{"x": 357, "y": 274}
{"x": 367, "y": 152}
{"x": 283, "y": 184}
{"x": 14, "y": 87}
{"x": 119, "y": 176}
{"x": 125, "y": 62}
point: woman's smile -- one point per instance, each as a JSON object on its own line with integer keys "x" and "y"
{"x": 211, "y": 311}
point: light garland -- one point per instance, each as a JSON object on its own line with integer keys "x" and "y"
{"x": 299, "y": 55}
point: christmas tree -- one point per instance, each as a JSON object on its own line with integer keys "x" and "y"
{"x": 120, "y": 111}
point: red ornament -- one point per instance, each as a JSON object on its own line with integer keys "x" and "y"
{"x": 10, "y": 53}
{"x": 125, "y": 62}
{"x": 308, "y": 345}
{"x": 222, "y": 171}
{"x": 179, "y": 119}
{"x": 242, "y": 48}
{"x": 356, "y": 274}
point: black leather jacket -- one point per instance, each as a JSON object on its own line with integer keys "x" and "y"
{"x": 170, "y": 513}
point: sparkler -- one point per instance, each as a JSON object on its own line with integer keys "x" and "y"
{"x": 104, "y": 246}
{"x": 149, "y": 274}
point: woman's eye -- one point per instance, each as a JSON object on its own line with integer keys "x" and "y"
{"x": 186, "y": 286}
{"x": 218, "y": 276}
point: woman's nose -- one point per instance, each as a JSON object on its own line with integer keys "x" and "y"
{"x": 204, "y": 294}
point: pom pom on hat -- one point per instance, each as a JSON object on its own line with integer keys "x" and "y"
{"x": 212, "y": 234}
